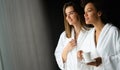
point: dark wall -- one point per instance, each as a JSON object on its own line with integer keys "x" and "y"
{"x": 113, "y": 11}
{"x": 55, "y": 18}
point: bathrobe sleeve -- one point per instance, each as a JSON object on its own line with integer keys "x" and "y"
{"x": 58, "y": 51}
{"x": 115, "y": 59}
{"x": 112, "y": 62}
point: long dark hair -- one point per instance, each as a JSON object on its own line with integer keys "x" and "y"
{"x": 99, "y": 6}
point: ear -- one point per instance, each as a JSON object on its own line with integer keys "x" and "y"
{"x": 99, "y": 13}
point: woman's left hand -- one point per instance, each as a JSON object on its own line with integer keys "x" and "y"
{"x": 97, "y": 62}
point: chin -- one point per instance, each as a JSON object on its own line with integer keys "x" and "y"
{"x": 88, "y": 23}
{"x": 70, "y": 23}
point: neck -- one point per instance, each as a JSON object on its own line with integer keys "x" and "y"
{"x": 77, "y": 28}
{"x": 98, "y": 27}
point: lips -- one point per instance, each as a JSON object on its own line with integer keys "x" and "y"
{"x": 86, "y": 19}
{"x": 70, "y": 20}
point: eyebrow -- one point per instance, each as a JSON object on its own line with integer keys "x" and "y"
{"x": 69, "y": 12}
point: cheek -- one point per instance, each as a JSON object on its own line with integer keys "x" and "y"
{"x": 74, "y": 17}
{"x": 94, "y": 18}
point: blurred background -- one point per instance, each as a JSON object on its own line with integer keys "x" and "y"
{"x": 30, "y": 29}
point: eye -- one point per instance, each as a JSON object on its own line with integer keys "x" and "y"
{"x": 72, "y": 12}
{"x": 89, "y": 10}
{"x": 69, "y": 13}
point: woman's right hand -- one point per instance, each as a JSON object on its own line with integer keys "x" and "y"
{"x": 79, "y": 54}
{"x": 71, "y": 45}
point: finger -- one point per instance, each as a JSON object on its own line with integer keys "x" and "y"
{"x": 81, "y": 51}
{"x": 92, "y": 63}
{"x": 78, "y": 55}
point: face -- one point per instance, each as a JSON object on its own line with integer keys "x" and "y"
{"x": 91, "y": 15}
{"x": 71, "y": 15}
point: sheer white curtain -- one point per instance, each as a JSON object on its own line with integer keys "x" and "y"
{"x": 1, "y": 64}
{"x": 24, "y": 36}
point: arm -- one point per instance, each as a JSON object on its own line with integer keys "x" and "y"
{"x": 58, "y": 51}
{"x": 63, "y": 49}
{"x": 70, "y": 45}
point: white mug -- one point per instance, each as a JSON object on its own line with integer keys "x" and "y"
{"x": 86, "y": 56}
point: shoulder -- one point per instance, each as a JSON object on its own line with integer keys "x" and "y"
{"x": 114, "y": 30}
{"x": 88, "y": 33}
{"x": 63, "y": 35}
{"x": 88, "y": 30}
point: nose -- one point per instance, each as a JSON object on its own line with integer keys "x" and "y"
{"x": 85, "y": 14}
{"x": 67, "y": 17}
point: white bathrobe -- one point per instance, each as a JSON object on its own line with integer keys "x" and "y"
{"x": 71, "y": 63}
{"x": 108, "y": 47}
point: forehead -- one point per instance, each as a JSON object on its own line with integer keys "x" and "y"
{"x": 89, "y": 6}
{"x": 69, "y": 9}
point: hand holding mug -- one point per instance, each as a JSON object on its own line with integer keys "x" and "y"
{"x": 79, "y": 54}
{"x": 97, "y": 62}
